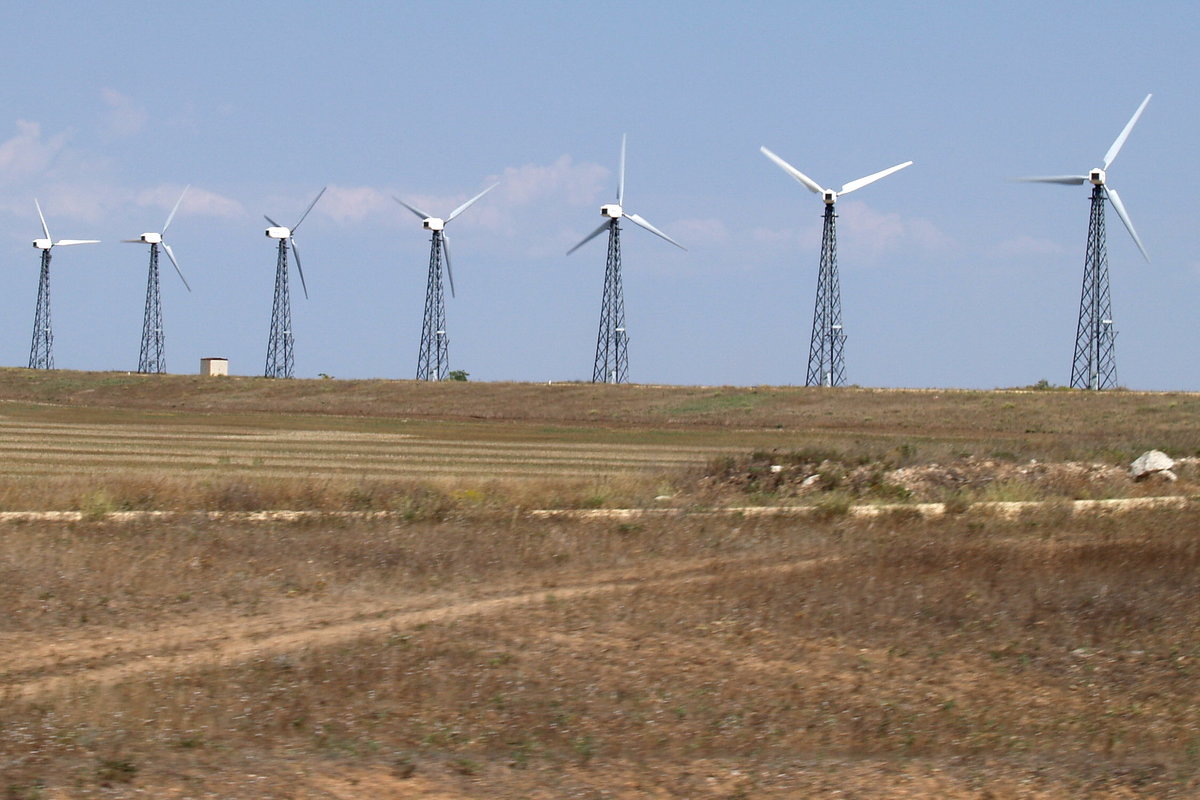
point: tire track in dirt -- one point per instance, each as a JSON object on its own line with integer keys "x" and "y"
{"x": 37, "y": 669}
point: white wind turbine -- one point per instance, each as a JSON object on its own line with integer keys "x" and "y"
{"x": 433, "y": 360}
{"x": 826, "y": 351}
{"x": 612, "y": 354}
{"x": 1094, "y": 364}
{"x": 41, "y": 350}
{"x": 152, "y": 357}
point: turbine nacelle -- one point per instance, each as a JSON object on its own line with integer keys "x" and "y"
{"x": 611, "y": 210}
{"x": 278, "y": 232}
{"x": 151, "y": 238}
{"x": 1096, "y": 176}
{"x": 433, "y": 224}
{"x": 829, "y": 196}
{"x": 43, "y": 244}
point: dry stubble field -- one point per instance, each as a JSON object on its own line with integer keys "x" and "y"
{"x": 451, "y": 645}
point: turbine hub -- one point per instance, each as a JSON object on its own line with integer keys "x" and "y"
{"x": 42, "y": 244}
{"x": 279, "y": 232}
{"x": 433, "y": 224}
{"x": 611, "y": 210}
{"x": 829, "y": 196}
{"x": 1096, "y": 176}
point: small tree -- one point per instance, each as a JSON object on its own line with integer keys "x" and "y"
{"x": 457, "y": 375}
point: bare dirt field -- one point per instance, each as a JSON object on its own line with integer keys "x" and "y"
{"x": 449, "y": 643}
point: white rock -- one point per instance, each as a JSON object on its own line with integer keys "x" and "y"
{"x": 1150, "y": 462}
{"x": 810, "y": 480}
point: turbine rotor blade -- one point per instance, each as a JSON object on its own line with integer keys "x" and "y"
{"x": 1115, "y": 199}
{"x": 446, "y": 252}
{"x": 1111, "y": 155}
{"x": 45, "y": 229}
{"x": 133, "y": 241}
{"x": 621, "y": 174}
{"x": 69, "y": 242}
{"x": 470, "y": 202}
{"x": 171, "y": 216}
{"x": 300, "y": 269}
{"x": 416, "y": 211}
{"x": 174, "y": 263}
{"x": 603, "y": 226}
{"x": 861, "y": 182}
{"x": 1071, "y": 180}
{"x": 273, "y": 223}
{"x": 812, "y": 185}
{"x": 637, "y": 220}
{"x": 310, "y": 207}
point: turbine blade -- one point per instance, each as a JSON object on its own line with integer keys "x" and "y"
{"x": 167, "y": 224}
{"x": 69, "y": 242}
{"x": 45, "y": 229}
{"x": 300, "y": 269}
{"x": 812, "y": 185}
{"x": 637, "y": 220}
{"x": 272, "y": 222}
{"x": 310, "y": 207}
{"x": 133, "y": 241}
{"x": 1072, "y": 180}
{"x": 470, "y": 202}
{"x": 603, "y": 227}
{"x": 416, "y": 211}
{"x": 1115, "y": 199}
{"x": 621, "y": 174}
{"x": 174, "y": 263}
{"x": 861, "y": 182}
{"x": 446, "y": 253}
{"x": 1111, "y": 155}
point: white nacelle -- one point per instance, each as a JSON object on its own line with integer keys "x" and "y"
{"x": 434, "y": 224}
{"x": 42, "y": 244}
{"x": 151, "y": 238}
{"x": 1096, "y": 176}
{"x": 611, "y": 210}
{"x": 278, "y": 232}
{"x": 829, "y": 196}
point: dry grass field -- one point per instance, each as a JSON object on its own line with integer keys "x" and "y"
{"x": 450, "y": 644}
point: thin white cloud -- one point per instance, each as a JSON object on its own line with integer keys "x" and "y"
{"x": 197, "y": 201}
{"x": 875, "y": 233}
{"x": 124, "y": 116}
{"x": 353, "y": 203}
{"x": 27, "y": 154}
{"x": 563, "y": 180}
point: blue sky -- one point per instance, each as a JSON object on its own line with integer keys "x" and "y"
{"x": 951, "y": 275}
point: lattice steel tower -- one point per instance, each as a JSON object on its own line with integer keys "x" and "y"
{"x": 826, "y": 350}
{"x": 1094, "y": 365}
{"x": 280, "y": 352}
{"x": 41, "y": 349}
{"x": 152, "y": 357}
{"x": 281, "y": 360}
{"x": 433, "y": 360}
{"x": 826, "y": 358}
{"x": 612, "y": 351}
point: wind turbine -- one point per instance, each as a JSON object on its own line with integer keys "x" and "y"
{"x": 826, "y": 356}
{"x": 433, "y": 362}
{"x": 41, "y": 350}
{"x": 280, "y": 358}
{"x": 612, "y": 354}
{"x": 152, "y": 357}
{"x": 1095, "y": 365}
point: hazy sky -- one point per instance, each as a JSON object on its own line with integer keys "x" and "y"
{"x": 951, "y": 275}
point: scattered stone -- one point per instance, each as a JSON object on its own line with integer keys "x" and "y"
{"x": 1150, "y": 462}
{"x": 811, "y": 480}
